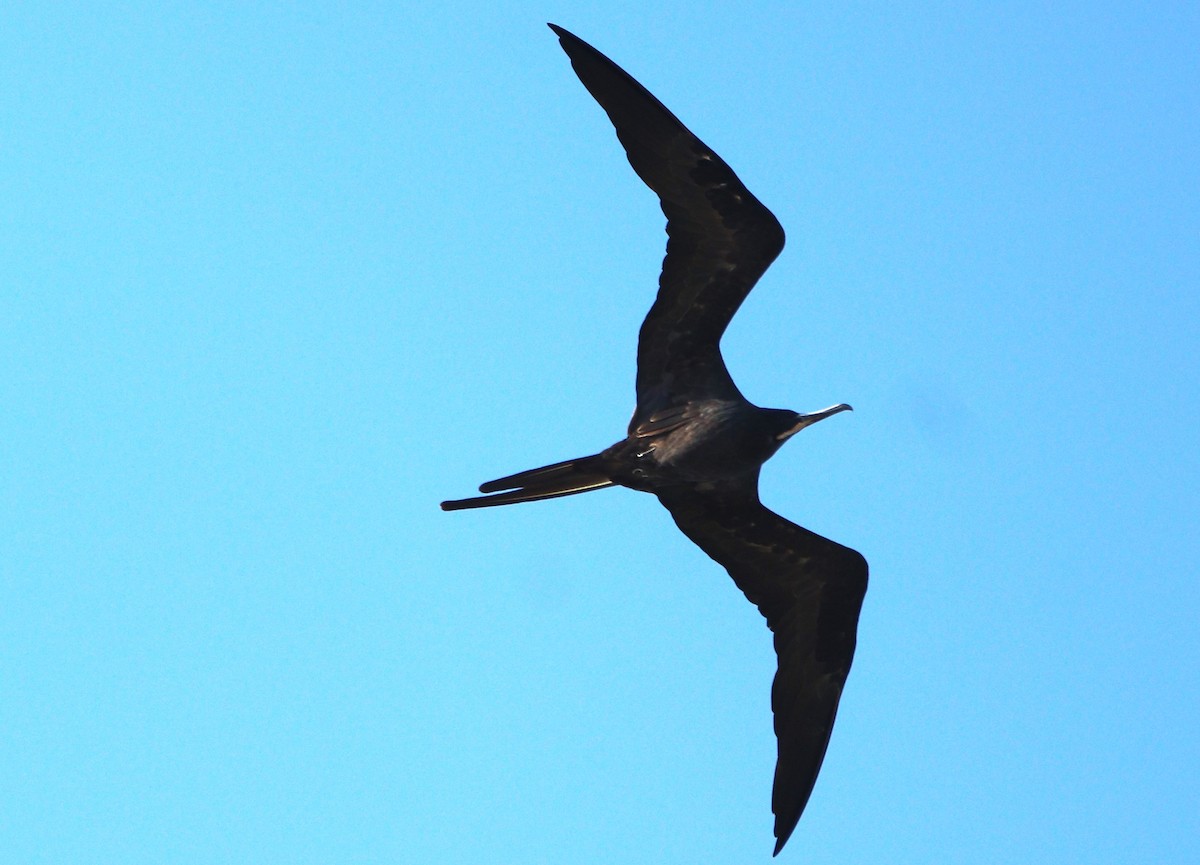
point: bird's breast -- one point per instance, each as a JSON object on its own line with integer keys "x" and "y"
{"x": 715, "y": 442}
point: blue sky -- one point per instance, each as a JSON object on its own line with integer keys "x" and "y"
{"x": 277, "y": 278}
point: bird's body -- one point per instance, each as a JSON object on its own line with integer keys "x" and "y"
{"x": 698, "y": 445}
{"x": 704, "y": 442}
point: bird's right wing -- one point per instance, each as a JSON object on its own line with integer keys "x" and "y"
{"x": 721, "y": 239}
{"x": 810, "y": 590}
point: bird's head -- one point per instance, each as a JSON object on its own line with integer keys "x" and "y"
{"x": 799, "y": 421}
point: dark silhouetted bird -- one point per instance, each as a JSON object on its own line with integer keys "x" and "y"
{"x": 698, "y": 444}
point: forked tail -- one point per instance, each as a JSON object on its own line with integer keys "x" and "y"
{"x": 548, "y": 482}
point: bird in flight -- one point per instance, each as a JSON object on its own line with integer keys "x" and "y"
{"x": 697, "y": 444}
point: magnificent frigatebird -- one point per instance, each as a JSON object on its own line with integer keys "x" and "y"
{"x": 698, "y": 444}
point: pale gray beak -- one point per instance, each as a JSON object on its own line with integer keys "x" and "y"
{"x": 803, "y": 420}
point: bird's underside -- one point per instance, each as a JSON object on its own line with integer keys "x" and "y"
{"x": 697, "y": 444}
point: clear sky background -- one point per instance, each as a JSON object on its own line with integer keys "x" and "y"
{"x": 276, "y": 278}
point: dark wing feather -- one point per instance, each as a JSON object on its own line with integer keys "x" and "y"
{"x": 811, "y": 591}
{"x": 720, "y": 237}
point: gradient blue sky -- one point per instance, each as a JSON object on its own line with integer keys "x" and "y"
{"x": 276, "y": 278}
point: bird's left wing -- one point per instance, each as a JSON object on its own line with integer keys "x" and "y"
{"x": 810, "y": 590}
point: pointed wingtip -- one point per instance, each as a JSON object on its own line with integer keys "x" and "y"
{"x": 564, "y": 35}
{"x": 783, "y": 834}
